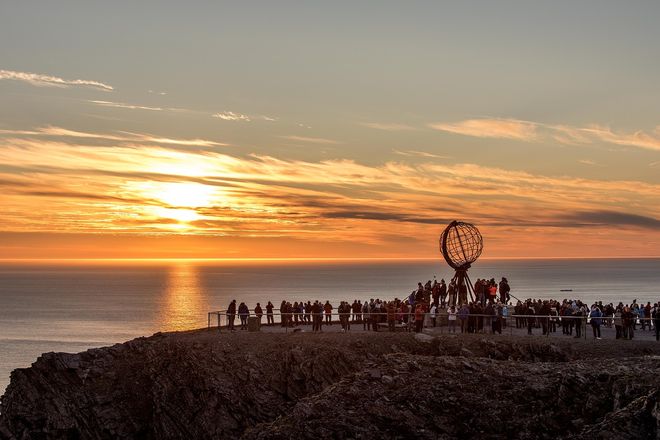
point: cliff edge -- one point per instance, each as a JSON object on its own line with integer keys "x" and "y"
{"x": 204, "y": 384}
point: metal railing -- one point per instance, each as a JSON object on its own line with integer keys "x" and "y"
{"x": 406, "y": 321}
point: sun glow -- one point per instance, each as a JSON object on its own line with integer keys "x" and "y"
{"x": 189, "y": 195}
{"x": 181, "y": 215}
{"x": 178, "y": 194}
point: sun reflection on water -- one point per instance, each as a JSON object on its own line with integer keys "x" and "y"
{"x": 185, "y": 304}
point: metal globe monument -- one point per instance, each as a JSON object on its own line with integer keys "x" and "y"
{"x": 461, "y": 245}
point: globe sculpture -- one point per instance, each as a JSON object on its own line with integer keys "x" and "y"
{"x": 461, "y": 245}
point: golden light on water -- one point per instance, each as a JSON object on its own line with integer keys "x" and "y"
{"x": 184, "y": 304}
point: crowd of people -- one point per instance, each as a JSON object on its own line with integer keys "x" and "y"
{"x": 573, "y": 315}
{"x": 437, "y": 303}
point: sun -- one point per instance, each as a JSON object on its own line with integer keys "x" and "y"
{"x": 181, "y": 215}
{"x": 179, "y": 201}
{"x": 178, "y": 194}
{"x": 185, "y": 195}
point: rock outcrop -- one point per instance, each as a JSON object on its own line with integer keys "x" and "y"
{"x": 361, "y": 386}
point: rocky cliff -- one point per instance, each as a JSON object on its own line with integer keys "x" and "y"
{"x": 275, "y": 386}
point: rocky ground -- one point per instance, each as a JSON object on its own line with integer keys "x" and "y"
{"x": 204, "y": 384}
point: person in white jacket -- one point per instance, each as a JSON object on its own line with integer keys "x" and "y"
{"x": 451, "y": 319}
{"x": 432, "y": 314}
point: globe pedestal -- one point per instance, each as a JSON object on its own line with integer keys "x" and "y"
{"x": 463, "y": 287}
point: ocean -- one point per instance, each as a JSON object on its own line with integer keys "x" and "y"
{"x": 74, "y": 305}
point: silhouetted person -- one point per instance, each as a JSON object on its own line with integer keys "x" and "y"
{"x": 327, "y": 308}
{"x": 655, "y": 314}
{"x": 504, "y": 291}
{"x": 243, "y": 313}
{"x": 231, "y": 314}
{"x": 258, "y": 312}
{"x": 269, "y": 313}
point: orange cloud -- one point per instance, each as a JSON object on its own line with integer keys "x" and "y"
{"x": 491, "y": 128}
{"x": 51, "y": 186}
{"x": 534, "y": 131}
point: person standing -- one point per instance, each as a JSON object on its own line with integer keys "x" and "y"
{"x": 451, "y": 319}
{"x": 391, "y": 316}
{"x": 231, "y": 314}
{"x": 463, "y": 315}
{"x": 258, "y": 312}
{"x": 628, "y": 319}
{"x": 451, "y": 291}
{"x": 530, "y": 318}
{"x": 365, "y": 315}
{"x": 656, "y": 321}
{"x": 435, "y": 292}
{"x": 243, "y": 313}
{"x": 504, "y": 291}
{"x": 374, "y": 312}
{"x": 443, "y": 292}
{"x": 595, "y": 314}
{"x": 432, "y": 314}
{"x": 578, "y": 322}
{"x": 269, "y": 314}
{"x": 328, "y": 312}
{"x": 618, "y": 323}
{"x": 420, "y": 313}
{"x": 317, "y": 316}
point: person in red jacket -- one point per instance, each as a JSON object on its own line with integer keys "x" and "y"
{"x": 420, "y": 311}
{"x": 328, "y": 312}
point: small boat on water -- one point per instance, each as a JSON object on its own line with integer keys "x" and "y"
{"x": 565, "y": 290}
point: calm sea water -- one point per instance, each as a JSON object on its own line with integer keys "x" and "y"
{"x": 73, "y": 306}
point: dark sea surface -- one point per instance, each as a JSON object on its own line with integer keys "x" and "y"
{"x": 71, "y": 306}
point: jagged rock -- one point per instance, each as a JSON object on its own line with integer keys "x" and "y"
{"x": 422, "y": 337}
{"x": 361, "y": 386}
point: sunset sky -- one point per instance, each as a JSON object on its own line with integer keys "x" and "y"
{"x": 328, "y": 129}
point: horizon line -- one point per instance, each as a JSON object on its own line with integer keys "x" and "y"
{"x": 247, "y": 259}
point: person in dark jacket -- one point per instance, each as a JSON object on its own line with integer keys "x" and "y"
{"x": 231, "y": 315}
{"x": 530, "y": 320}
{"x": 243, "y": 313}
{"x": 595, "y": 316}
{"x": 269, "y": 313}
{"x": 655, "y": 314}
{"x": 258, "y": 312}
{"x": 504, "y": 291}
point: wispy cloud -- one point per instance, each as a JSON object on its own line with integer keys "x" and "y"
{"x": 231, "y": 116}
{"x": 535, "y": 131}
{"x": 42, "y": 80}
{"x": 491, "y": 128}
{"x": 388, "y": 126}
{"x": 123, "y": 137}
{"x": 310, "y": 140}
{"x": 587, "y": 162}
{"x": 415, "y": 153}
{"x": 126, "y": 106}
